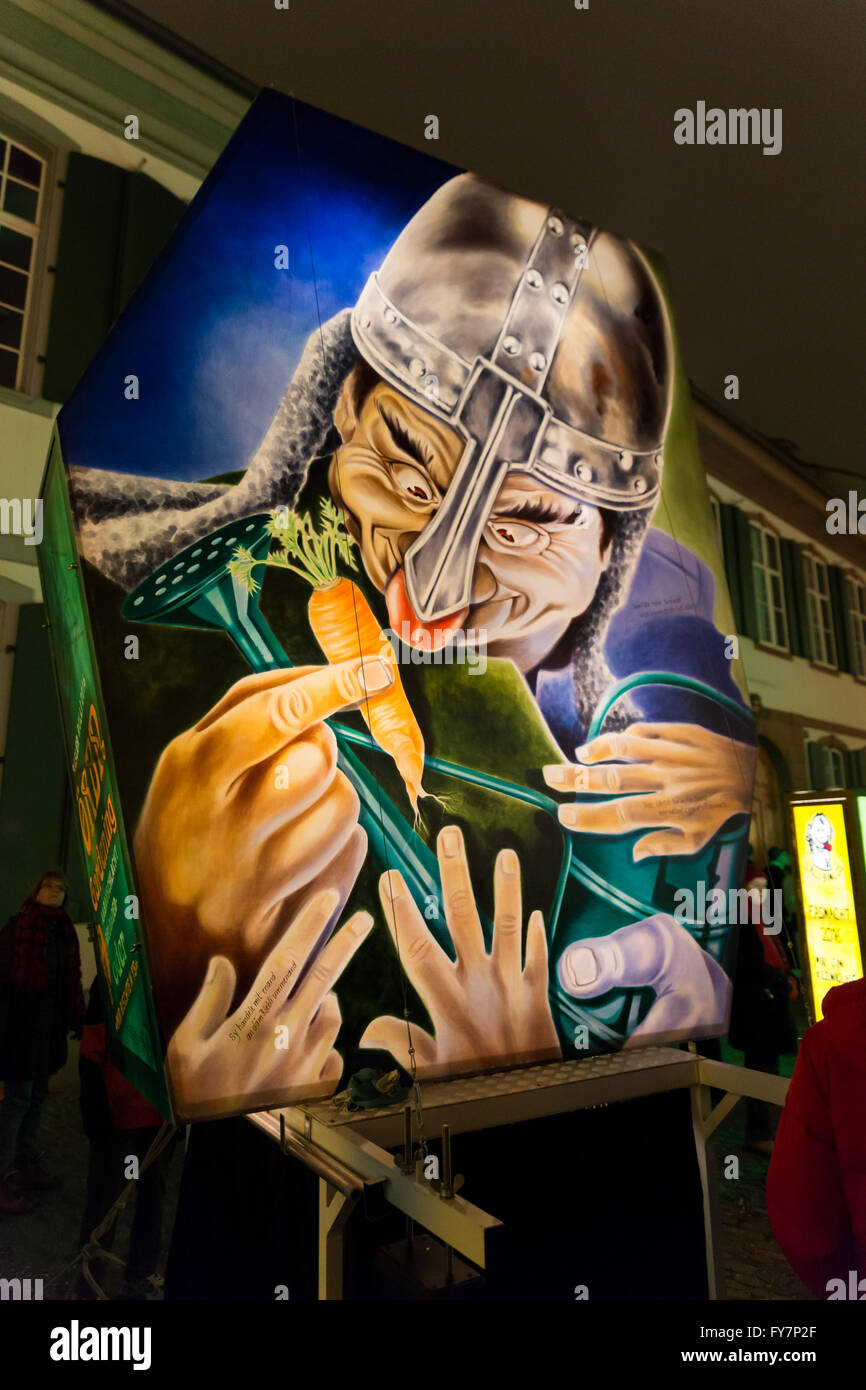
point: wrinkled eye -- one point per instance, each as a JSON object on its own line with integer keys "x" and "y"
{"x": 413, "y": 482}
{"x": 514, "y": 535}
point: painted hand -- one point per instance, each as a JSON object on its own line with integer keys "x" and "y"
{"x": 486, "y": 1009}
{"x": 691, "y": 989}
{"x": 679, "y": 776}
{"x": 246, "y": 817}
{"x": 215, "y": 1054}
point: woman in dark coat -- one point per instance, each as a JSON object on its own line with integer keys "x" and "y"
{"x": 40, "y": 1001}
{"x": 761, "y": 1025}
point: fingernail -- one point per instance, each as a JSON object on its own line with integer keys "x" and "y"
{"x": 330, "y": 901}
{"x": 363, "y": 924}
{"x": 393, "y": 885}
{"x": 375, "y": 675}
{"x": 582, "y": 753}
{"x": 509, "y": 863}
{"x": 450, "y": 841}
{"x": 569, "y": 815}
{"x": 554, "y": 774}
{"x": 581, "y": 967}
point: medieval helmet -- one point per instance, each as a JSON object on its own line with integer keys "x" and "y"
{"x": 544, "y": 341}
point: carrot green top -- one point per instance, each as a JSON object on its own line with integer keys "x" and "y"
{"x": 314, "y": 551}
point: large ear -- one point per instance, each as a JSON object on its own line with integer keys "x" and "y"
{"x": 345, "y": 411}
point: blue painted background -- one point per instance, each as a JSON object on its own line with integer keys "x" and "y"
{"x": 215, "y": 332}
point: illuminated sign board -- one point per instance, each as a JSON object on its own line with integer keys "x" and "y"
{"x": 410, "y": 512}
{"x": 830, "y": 919}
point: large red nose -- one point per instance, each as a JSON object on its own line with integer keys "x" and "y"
{"x": 416, "y": 632}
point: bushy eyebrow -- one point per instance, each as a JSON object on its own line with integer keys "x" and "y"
{"x": 402, "y": 438}
{"x": 534, "y": 509}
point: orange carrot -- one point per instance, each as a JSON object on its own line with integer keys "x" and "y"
{"x": 344, "y": 627}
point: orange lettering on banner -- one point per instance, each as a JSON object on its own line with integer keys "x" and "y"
{"x": 109, "y": 827}
{"x": 90, "y": 782}
{"x": 124, "y": 998}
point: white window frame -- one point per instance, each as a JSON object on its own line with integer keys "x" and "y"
{"x": 45, "y": 233}
{"x": 857, "y": 623}
{"x": 775, "y": 612}
{"x": 819, "y": 609}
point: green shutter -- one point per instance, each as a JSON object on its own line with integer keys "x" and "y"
{"x": 727, "y": 518}
{"x": 84, "y": 285}
{"x": 795, "y": 598}
{"x": 114, "y": 225}
{"x": 817, "y": 767}
{"x": 150, "y": 215}
{"x": 743, "y": 556}
{"x": 839, "y": 608}
{"x": 855, "y": 762}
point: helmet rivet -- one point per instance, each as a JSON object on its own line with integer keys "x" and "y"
{"x": 625, "y": 462}
{"x": 559, "y": 292}
{"x": 554, "y": 226}
{"x": 537, "y": 361}
{"x": 390, "y": 316}
{"x": 512, "y": 346}
{"x": 534, "y": 279}
{"x": 639, "y": 484}
{"x": 417, "y": 367}
{"x": 584, "y": 472}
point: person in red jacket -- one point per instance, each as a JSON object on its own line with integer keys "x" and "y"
{"x": 119, "y": 1123}
{"x": 816, "y": 1184}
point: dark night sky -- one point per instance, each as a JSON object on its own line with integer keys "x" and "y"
{"x": 577, "y": 107}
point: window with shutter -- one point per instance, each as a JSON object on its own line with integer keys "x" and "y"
{"x": 820, "y": 613}
{"x": 795, "y": 598}
{"x": 22, "y": 196}
{"x": 856, "y": 612}
{"x": 834, "y": 767}
{"x": 769, "y": 589}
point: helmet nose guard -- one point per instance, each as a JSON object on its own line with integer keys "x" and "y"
{"x": 495, "y": 402}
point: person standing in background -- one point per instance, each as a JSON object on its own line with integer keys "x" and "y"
{"x": 816, "y": 1184}
{"x": 761, "y": 1025}
{"x": 119, "y": 1123}
{"x": 41, "y": 1000}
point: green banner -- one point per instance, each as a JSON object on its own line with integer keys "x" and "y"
{"x": 113, "y": 902}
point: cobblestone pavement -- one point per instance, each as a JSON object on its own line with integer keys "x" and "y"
{"x": 750, "y": 1263}
{"x": 44, "y": 1243}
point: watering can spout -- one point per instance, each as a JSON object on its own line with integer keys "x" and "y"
{"x": 194, "y": 588}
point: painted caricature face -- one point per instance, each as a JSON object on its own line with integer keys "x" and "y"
{"x": 541, "y": 554}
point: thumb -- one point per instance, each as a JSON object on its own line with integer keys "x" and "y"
{"x": 660, "y": 843}
{"x": 388, "y": 1035}
{"x": 391, "y": 1035}
{"x": 635, "y": 955}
